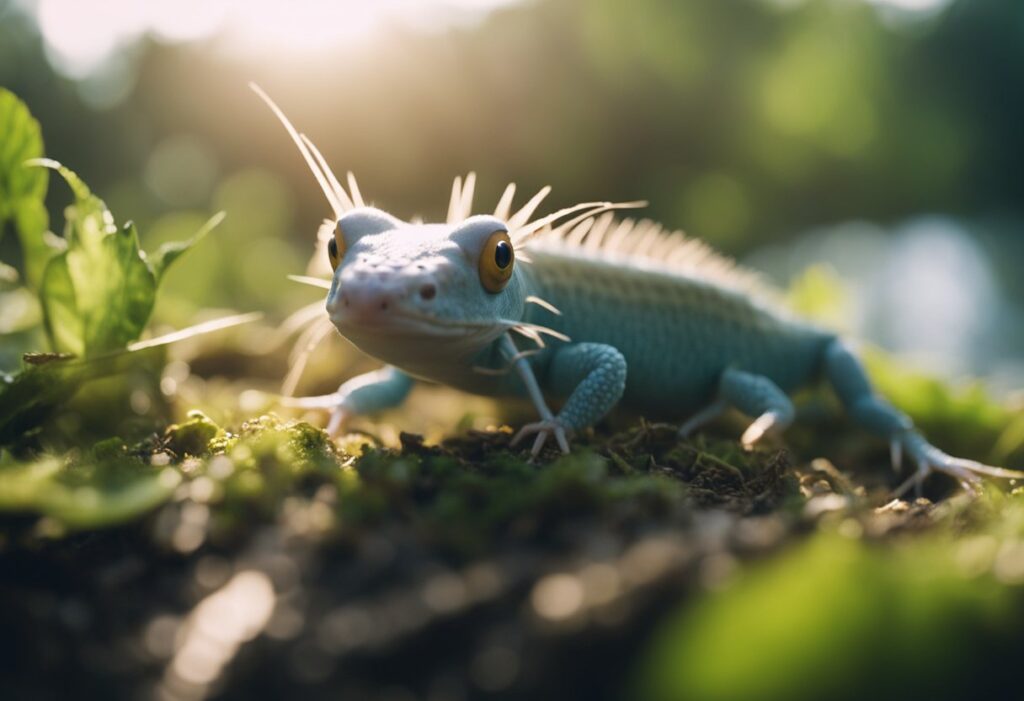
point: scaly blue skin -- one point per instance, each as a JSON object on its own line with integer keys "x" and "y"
{"x": 668, "y": 345}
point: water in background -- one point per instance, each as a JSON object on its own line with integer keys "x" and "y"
{"x": 929, "y": 289}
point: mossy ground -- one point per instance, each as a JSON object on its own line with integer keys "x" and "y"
{"x": 264, "y": 560}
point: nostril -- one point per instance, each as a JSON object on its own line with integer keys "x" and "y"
{"x": 344, "y": 300}
{"x": 384, "y": 305}
{"x": 428, "y": 292}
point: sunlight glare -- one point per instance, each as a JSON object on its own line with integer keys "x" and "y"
{"x": 915, "y": 6}
{"x": 81, "y": 38}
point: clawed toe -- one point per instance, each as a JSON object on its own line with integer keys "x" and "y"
{"x": 969, "y": 474}
{"x": 967, "y": 480}
{"x": 339, "y": 418}
{"x": 762, "y": 425}
{"x": 544, "y": 429}
{"x": 339, "y": 413}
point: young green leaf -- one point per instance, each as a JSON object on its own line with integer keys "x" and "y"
{"x": 61, "y": 319}
{"x": 38, "y": 245}
{"x": 88, "y": 220}
{"x": 116, "y": 291}
{"x": 22, "y": 140}
{"x": 97, "y": 295}
{"x": 22, "y": 188}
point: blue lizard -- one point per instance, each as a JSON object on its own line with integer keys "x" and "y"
{"x": 613, "y": 311}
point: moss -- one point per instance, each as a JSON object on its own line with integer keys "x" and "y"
{"x": 607, "y": 513}
{"x": 196, "y": 436}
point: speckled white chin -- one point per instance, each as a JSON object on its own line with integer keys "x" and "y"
{"x": 427, "y": 350}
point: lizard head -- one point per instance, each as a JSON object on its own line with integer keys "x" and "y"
{"x": 434, "y": 292}
{"x": 395, "y": 283}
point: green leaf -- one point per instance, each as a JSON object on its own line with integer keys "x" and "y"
{"x": 21, "y": 140}
{"x": 172, "y": 250}
{"x": 49, "y": 380}
{"x": 23, "y": 188}
{"x": 27, "y": 398}
{"x": 116, "y": 291}
{"x": 98, "y": 294}
{"x": 37, "y": 244}
{"x": 90, "y": 494}
{"x": 60, "y": 310}
{"x": 88, "y": 221}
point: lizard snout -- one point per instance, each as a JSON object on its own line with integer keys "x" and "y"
{"x": 372, "y": 293}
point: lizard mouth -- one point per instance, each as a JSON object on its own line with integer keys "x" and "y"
{"x": 394, "y": 322}
{"x": 401, "y": 323}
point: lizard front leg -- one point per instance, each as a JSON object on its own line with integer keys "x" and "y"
{"x": 368, "y": 393}
{"x": 593, "y": 376}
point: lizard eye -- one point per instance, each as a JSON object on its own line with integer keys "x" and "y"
{"x": 496, "y": 262}
{"x": 336, "y": 248}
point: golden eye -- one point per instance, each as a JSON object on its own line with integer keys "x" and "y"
{"x": 496, "y": 262}
{"x": 336, "y": 248}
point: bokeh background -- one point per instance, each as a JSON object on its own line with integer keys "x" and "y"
{"x": 865, "y": 154}
{"x": 881, "y": 140}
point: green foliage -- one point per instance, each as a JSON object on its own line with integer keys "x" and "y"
{"x": 23, "y": 189}
{"x": 818, "y": 294}
{"x": 98, "y": 294}
{"x": 48, "y": 381}
{"x": 839, "y": 618}
{"x": 22, "y": 140}
{"x": 106, "y": 487}
{"x": 96, "y": 289}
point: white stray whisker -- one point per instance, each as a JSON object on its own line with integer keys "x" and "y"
{"x": 301, "y": 352}
{"x": 332, "y": 198}
{"x": 339, "y": 191}
{"x": 311, "y": 281}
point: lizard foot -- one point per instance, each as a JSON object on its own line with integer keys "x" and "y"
{"x": 929, "y": 459}
{"x": 340, "y": 414}
{"x": 763, "y": 424}
{"x": 544, "y": 429}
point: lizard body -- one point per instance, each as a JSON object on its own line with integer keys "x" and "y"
{"x": 676, "y": 333}
{"x": 605, "y": 311}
